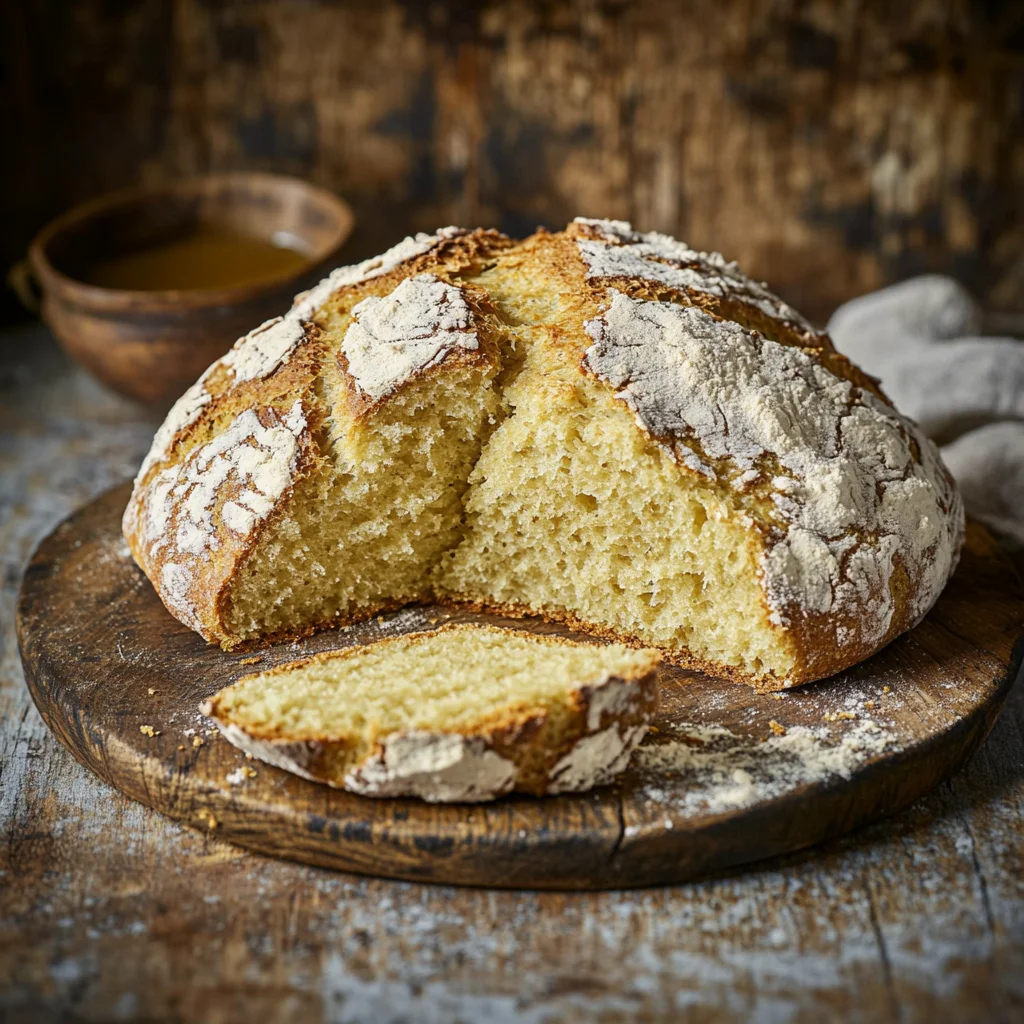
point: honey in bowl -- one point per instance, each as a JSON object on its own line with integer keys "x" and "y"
{"x": 206, "y": 257}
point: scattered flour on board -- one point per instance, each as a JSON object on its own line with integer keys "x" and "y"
{"x": 709, "y": 769}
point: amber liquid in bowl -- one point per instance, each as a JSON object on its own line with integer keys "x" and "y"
{"x": 207, "y": 257}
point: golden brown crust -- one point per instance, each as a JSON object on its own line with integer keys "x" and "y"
{"x": 451, "y": 259}
{"x": 814, "y": 657}
{"x": 194, "y": 581}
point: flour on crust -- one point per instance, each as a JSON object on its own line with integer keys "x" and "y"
{"x": 308, "y": 303}
{"x": 612, "y": 249}
{"x": 254, "y": 356}
{"x": 233, "y": 482}
{"x": 412, "y": 329}
{"x": 596, "y": 759}
{"x": 263, "y": 350}
{"x": 436, "y": 767}
{"x": 290, "y": 757}
{"x": 185, "y": 411}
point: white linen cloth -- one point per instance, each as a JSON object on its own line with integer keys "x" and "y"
{"x": 923, "y": 339}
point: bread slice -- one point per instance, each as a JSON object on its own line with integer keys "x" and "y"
{"x": 462, "y": 713}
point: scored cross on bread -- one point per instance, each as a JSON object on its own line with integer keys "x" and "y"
{"x": 600, "y": 426}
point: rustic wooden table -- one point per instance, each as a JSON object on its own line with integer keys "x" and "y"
{"x": 110, "y": 912}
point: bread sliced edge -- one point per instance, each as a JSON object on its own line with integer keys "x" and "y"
{"x": 569, "y": 745}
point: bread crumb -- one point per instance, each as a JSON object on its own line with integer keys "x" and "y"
{"x": 869, "y": 705}
{"x": 839, "y": 716}
{"x": 380, "y": 619}
{"x": 207, "y": 818}
{"x": 777, "y": 727}
{"x": 239, "y": 775}
{"x": 148, "y": 730}
{"x": 151, "y": 691}
{"x": 181, "y": 746}
{"x": 197, "y": 741}
{"x": 248, "y": 756}
{"x": 251, "y": 661}
{"x": 777, "y": 696}
{"x": 886, "y": 689}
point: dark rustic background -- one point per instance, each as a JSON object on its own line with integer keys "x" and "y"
{"x": 830, "y": 147}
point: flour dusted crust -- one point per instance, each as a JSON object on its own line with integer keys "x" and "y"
{"x": 505, "y": 751}
{"x": 196, "y": 520}
{"x": 411, "y": 330}
{"x": 406, "y": 252}
{"x": 856, "y": 523}
{"x": 850, "y": 504}
{"x": 266, "y": 348}
{"x": 612, "y": 250}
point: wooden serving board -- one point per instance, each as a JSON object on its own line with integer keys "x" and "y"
{"x": 728, "y": 777}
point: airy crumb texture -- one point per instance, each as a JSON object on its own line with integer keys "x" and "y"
{"x": 365, "y": 532}
{"x": 601, "y": 426}
{"x": 465, "y": 712}
{"x": 574, "y": 512}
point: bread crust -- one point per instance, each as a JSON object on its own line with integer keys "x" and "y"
{"x": 194, "y": 581}
{"x": 196, "y": 585}
{"x": 571, "y": 747}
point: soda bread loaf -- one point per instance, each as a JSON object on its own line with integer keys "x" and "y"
{"x": 601, "y": 426}
{"x": 462, "y": 713}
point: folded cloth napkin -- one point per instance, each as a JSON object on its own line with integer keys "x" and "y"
{"x": 923, "y": 339}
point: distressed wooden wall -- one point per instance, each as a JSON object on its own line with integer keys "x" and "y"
{"x": 829, "y": 146}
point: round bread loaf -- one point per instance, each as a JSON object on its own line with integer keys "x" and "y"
{"x": 601, "y": 426}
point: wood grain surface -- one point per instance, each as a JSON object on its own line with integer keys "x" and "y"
{"x": 828, "y": 147}
{"x": 109, "y": 911}
{"x": 120, "y": 681}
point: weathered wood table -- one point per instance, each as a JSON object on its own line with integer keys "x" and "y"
{"x": 110, "y": 912}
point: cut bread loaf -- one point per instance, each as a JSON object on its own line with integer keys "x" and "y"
{"x": 600, "y": 426}
{"x": 462, "y": 713}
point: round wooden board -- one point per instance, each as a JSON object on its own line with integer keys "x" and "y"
{"x": 718, "y": 784}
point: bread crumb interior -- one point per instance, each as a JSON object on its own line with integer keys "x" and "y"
{"x": 451, "y": 680}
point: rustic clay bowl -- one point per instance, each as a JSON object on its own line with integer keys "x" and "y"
{"x": 151, "y": 345}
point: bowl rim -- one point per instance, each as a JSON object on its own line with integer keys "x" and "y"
{"x": 98, "y": 298}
